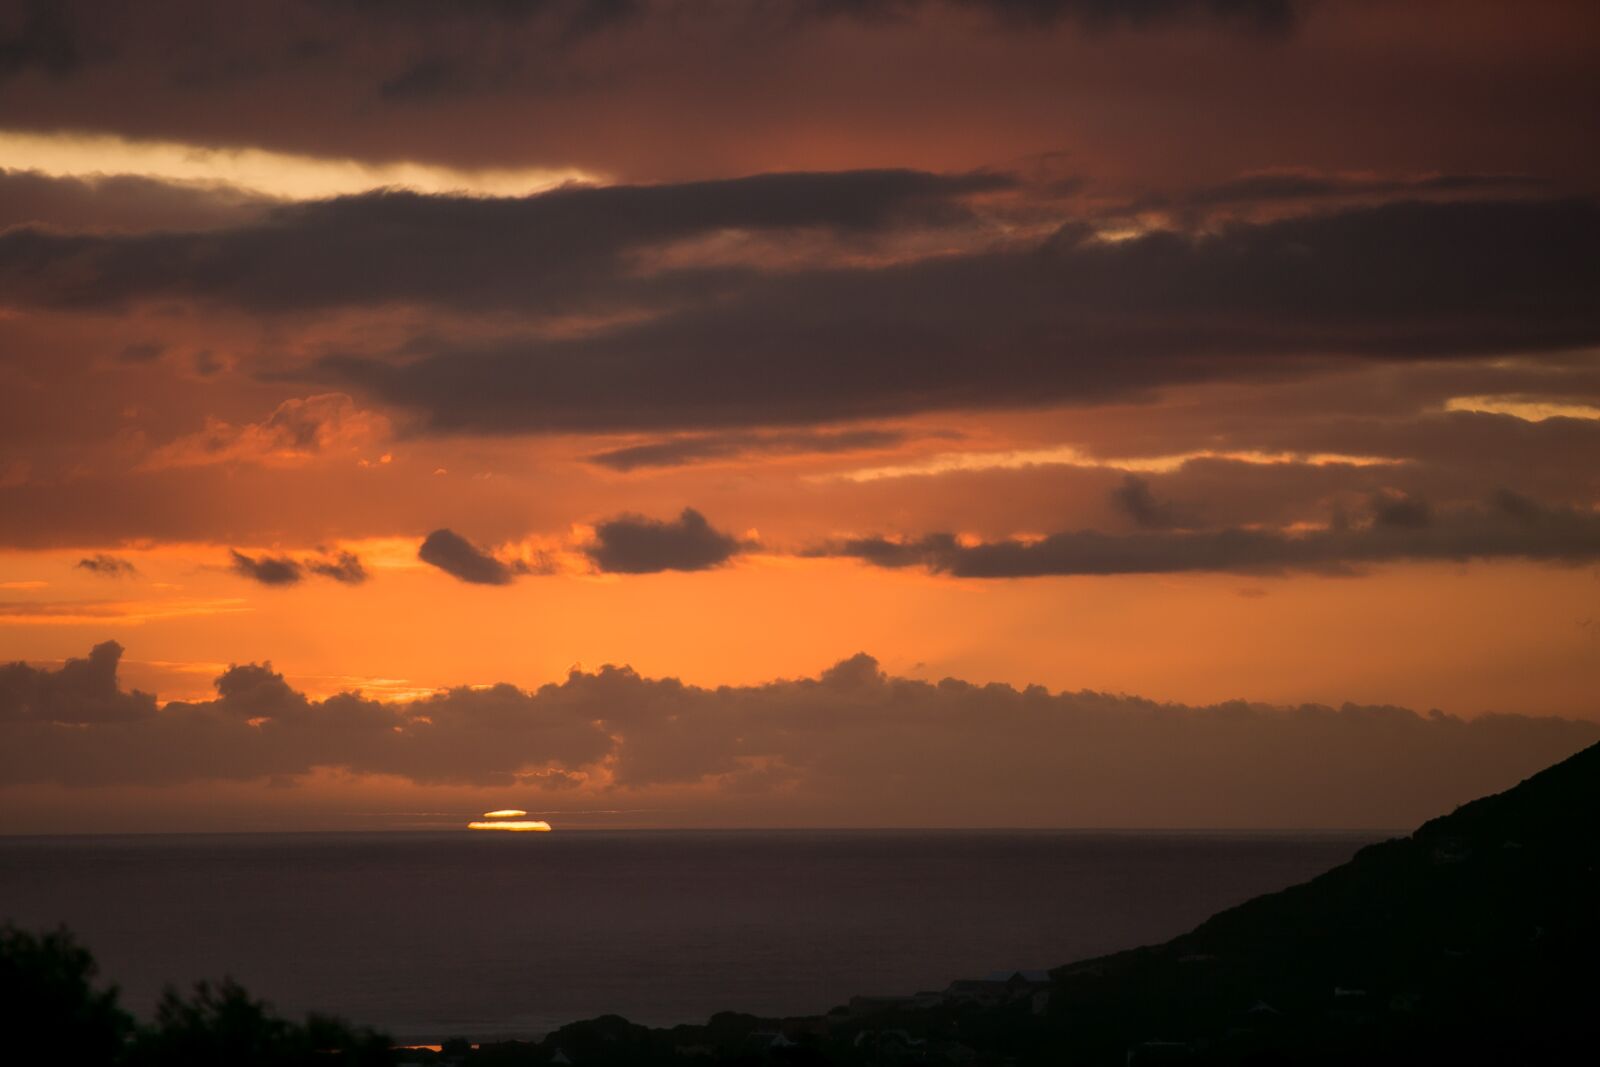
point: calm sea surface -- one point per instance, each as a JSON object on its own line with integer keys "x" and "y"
{"x": 429, "y": 935}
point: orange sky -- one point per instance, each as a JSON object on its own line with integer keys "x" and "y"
{"x": 1239, "y": 352}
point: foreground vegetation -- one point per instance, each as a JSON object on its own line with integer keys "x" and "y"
{"x": 1473, "y": 941}
{"x": 52, "y": 1012}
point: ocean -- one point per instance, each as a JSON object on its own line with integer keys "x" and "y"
{"x": 431, "y": 935}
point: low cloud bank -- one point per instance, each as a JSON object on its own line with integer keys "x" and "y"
{"x": 853, "y": 746}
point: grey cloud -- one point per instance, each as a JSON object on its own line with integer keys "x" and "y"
{"x": 634, "y": 544}
{"x": 141, "y": 352}
{"x": 82, "y": 691}
{"x": 61, "y": 37}
{"x": 41, "y": 34}
{"x": 853, "y": 746}
{"x": 1067, "y": 321}
{"x": 121, "y": 202}
{"x": 1447, "y": 458}
{"x": 1496, "y": 446}
{"x": 1272, "y": 15}
{"x": 345, "y": 567}
{"x": 260, "y": 727}
{"x": 255, "y": 690}
{"x": 1517, "y": 506}
{"x": 206, "y": 364}
{"x": 438, "y": 73}
{"x": 696, "y": 448}
{"x": 1400, "y": 529}
{"x": 592, "y": 15}
{"x": 1281, "y": 186}
{"x": 429, "y": 79}
{"x": 268, "y": 570}
{"x": 460, "y": 558}
{"x": 1134, "y": 498}
{"x": 107, "y": 566}
{"x": 554, "y": 251}
{"x": 1401, "y": 511}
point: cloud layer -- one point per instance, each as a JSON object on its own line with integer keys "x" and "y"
{"x": 1067, "y": 319}
{"x": 559, "y": 250}
{"x": 852, "y": 745}
{"x": 1399, "y": 528}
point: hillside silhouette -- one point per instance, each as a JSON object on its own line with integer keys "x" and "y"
{"x": 1473, "y": 940}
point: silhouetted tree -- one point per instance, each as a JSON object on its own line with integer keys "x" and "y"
{"x": 223, "y": 1024}
{"x": 50, "y": 1010}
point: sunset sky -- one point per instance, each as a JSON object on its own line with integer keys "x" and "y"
{"x": 794, "y": 412}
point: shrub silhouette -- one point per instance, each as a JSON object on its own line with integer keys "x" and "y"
{"x": 221, "y": 1023}
{"x": 50, "y": 1010}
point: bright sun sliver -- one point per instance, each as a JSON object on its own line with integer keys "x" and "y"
{"x": 537, "y": 826}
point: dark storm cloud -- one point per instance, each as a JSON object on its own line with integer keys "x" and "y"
{"x": 634, "y": 544}
{"x": 268, "y": 570}
{"x": 459, "y": 558}
{"x": 1400, "y": 528}
{"x": 1071, "y": 320}
{"x": 682, "y": 451}
{"x": 107, "y": 566}
{"x": 556, "y": 251}
{"x": 853, "y": 744}
{"x": 82, "y": 691}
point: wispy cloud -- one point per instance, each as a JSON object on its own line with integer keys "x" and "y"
{"x": 99, "y": 612}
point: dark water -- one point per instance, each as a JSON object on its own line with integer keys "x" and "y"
{"x": 429, "y": 935}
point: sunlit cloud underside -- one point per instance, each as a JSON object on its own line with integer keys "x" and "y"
{"x": 275, "y": 174}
